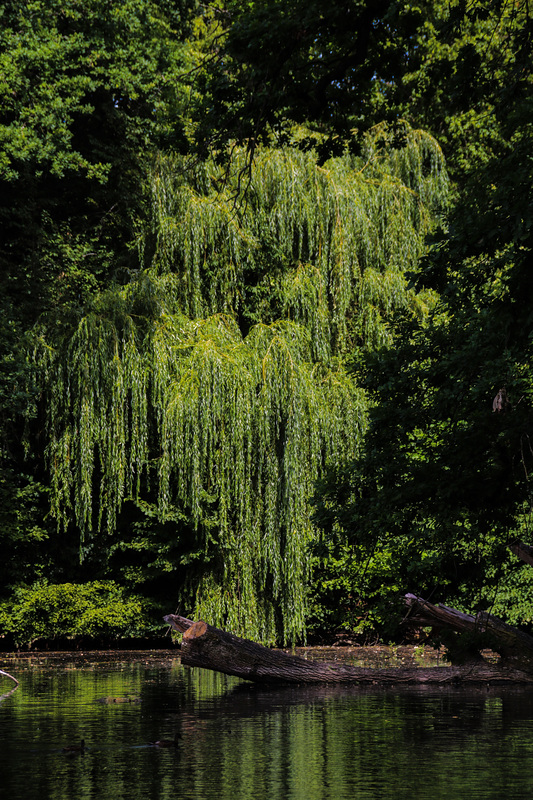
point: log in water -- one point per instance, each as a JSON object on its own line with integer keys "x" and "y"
{"x": 211, "y": 648}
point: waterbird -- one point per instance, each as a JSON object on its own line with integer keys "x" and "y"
{"x": 167, "y": 742}
{"x": 75, "y": 748}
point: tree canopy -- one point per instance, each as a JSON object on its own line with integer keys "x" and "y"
{"x": 444, "y": 483}
{"x": 255, "y": 253}
{"x": 446, "y": 67}
{"x": 212, "y": 386}
{"x": 87, "y": 92}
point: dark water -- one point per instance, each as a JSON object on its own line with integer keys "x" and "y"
{"x": 239, "y": 741}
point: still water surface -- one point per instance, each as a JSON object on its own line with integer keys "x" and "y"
{"x": 242, "y": 742}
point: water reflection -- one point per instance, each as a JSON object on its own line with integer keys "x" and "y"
{"x": 241, "y": 742}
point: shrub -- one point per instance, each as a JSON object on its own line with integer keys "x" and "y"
{"x": 95, "y": 610}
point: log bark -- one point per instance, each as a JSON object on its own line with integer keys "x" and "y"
{"x": 514, "y": 647}
{"x": 211, "y": 648}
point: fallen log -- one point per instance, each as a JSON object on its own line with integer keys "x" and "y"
{"x": 211, "y": 648}
{"x": 15, "y": 687}
{"x": 514, "y": 647}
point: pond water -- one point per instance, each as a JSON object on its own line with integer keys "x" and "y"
{"x": 241, "y": 742}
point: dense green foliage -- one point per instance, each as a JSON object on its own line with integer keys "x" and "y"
{"x": 444, "y": 483}
{"x": 444, "y": 66}
{"x": 93, "y": 611}
{"x": 225, "y": 429}
{"x": 87, "y": 92}
{"x": 228, "y": 285}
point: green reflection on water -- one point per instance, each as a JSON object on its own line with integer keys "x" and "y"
{"x": 241, "y": 742}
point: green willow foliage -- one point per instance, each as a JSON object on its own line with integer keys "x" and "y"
{"x": 337, "y": 239}
{"x": 212, "y": 386}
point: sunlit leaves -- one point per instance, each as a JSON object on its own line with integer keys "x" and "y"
{"x": 213, "y": 386}
{"x": 242, "y": 424}
{"x": 61, "y": 64}
{"x": 72, "y": 611}
{"x": 326, "y": 246}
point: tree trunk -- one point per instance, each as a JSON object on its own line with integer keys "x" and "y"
{"x": 514, "y": 647}
{"x": 210, "y": 648}
{"x": 15, "y": 687}
{"x": 523, "y": 551}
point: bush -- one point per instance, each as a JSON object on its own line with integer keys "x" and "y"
{"x": 96, "y": 610}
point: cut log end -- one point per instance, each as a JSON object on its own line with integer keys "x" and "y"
{"x": 197, "y": 629}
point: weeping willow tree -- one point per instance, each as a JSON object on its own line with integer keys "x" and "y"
{"x": 326, "y": 246}
{"x": 212, "y": 387}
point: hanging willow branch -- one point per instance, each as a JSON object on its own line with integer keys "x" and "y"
{"x": 158, "y": 395}
{"x": 246, "y": 422}
{"x": 328, "y": 246}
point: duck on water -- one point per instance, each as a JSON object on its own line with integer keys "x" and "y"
{"x": 75, "y": 748}
{"x": 167, "y": 742}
